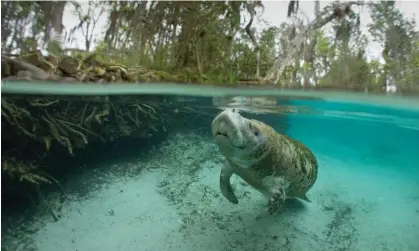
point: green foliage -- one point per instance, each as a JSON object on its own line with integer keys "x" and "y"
{"x": 399, "y": 38}
{"x": 206, "y": 41}
{"x": 351, "y": 72}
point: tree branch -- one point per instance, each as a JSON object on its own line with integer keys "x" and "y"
{"x": 339, "y": 10}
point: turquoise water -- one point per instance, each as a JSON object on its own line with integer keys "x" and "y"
{"x": 165, "y": 196}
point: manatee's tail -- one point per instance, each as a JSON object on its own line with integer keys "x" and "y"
{"x": 225, "y": 185}
{"x": 304, "y": 197}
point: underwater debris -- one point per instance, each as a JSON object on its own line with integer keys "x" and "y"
{"x": 340, "y": 232}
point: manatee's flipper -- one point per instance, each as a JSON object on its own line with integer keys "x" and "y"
{"x": 225, "y": 185}
{"x": 276, "y": 186}
{"x": 304, "y": 197}
{"x": 276, "y": 201}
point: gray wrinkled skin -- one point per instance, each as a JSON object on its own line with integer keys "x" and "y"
{"x": 277, "y": 166}
{"x": 236, "y": 139}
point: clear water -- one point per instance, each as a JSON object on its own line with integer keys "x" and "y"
{"x": 165, "y": 195}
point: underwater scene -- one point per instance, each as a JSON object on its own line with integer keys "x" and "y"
{"x": 248, "y": 125}
{"x": 207, "y": 172}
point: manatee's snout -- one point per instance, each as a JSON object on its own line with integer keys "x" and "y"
{"x": 228, "y": 125}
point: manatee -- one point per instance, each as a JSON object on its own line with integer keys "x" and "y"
{"x": 272, "y": 163}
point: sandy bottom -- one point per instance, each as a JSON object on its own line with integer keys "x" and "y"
{"x": 171, "y": 201}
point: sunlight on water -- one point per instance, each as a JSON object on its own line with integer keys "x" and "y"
{"x": 154, "y": 183}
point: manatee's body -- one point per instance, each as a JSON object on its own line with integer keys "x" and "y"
{"x": 274, "y": 164}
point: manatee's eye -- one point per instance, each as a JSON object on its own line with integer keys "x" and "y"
{"x": 256, "y": 132}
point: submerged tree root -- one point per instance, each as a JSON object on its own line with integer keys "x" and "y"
{"x": 24, "y": 172}
{"x": 45, "y": 203}
{"x": 73, "y": 124}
